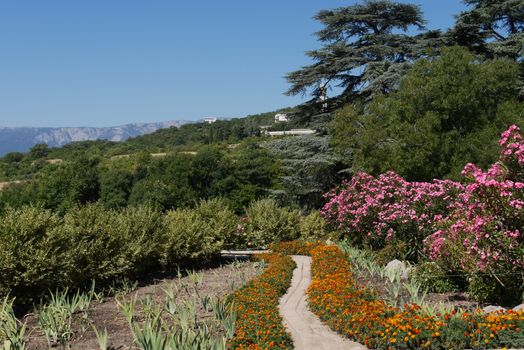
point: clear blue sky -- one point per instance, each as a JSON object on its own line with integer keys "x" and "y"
{"x": 111, "y": 62}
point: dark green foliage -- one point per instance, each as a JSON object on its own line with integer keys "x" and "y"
{"x": 175, "y": 180}
{"x": 39, "y": 151}
{"x": 115, "y": 187}
{"x": 502, "y": 290}
{"x": 447, "y": 112}
{"x": 366, "y": 49}
{"x": 67, "y": 184}
{"x": 255, "y": 171}
{"x": 432, "y": 278}
{"x": 309, "y": 169}
{"x": 13, "y": 157}
{"x": 494, "y": 28}
{"x": 392, "y": 250}
{"x": 210, "y": 174}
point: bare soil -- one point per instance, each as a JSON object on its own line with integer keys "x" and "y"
{"x": 217, "y": 282}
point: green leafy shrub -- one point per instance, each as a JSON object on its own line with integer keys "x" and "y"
{"x": 432, "y": 278}
{"x": 104, "y": 244}
{"x": 141, "y": 229}
{"x": 312, "y": 226}
{"x": 221, "y": 218}
{"x": 267, "y": 223}
{"x": 29, "y": 255}
{"x": 393, "y": 250}
{"x": 197, "y": 234}
{"x": 502, "y": 290}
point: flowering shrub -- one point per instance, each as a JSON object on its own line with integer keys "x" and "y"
{"x": 358, "y": 314}
{"x": 473, "y": 228}
{"x": 483, "y": 231}
{"x": 259, "y": 325}
{"x": 373, "y": 210}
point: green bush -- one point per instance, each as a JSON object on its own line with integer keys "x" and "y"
{"x": 104, "y": 244}
{"x": 29, "y": 256}
{"x": 312, "y": 226}
{"x": 432, "y": 278}
{"x": 268, "y": 223}
{"x": 481, "y": 288}
{"x": 501, "y": 290}
{"x": 40, "y": 250}
{"x": 393, "y": 250}
{"x": 141, "y": 229}
{"x": 197, "y": 234}
{"x": 221, "y": 219}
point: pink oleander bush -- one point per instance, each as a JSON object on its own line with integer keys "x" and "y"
{"x": 474, "y": 226}
{"x": 375, "y": 210}
{"x": 483, "y": 232}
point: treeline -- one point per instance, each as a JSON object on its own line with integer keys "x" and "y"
{"x": 174, "y": 180}
{"x": 41, "y": 250}
{"x": 16, "y": 165}
{"x": 295, "y": 171}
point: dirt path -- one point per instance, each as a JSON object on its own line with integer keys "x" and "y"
{"x": 306, "y": 329}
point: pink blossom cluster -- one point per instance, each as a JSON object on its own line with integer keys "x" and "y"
{"x": 389, "y": 207}
{"x": 512, "y": 145}
{"x": 475, "y": 225}
{"x": 488, "y": 221}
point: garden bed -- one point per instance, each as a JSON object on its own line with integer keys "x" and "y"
{"x": 213, "y": 282}
{"x": 259, "y": 324}
{"x": 360, "y": 314}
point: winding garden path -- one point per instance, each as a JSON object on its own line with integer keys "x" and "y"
{"x": 306, "y": 329}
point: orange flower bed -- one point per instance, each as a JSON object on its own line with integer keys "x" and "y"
{"x": 259, "y": 325}
{"x": 295, "y": 247}
{"x": 358, "y": 314}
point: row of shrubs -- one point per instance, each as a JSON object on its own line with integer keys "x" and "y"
{"x": 40, "y": 250}
{"x": 359, "y": 314}
{"x": 259, "y": 324}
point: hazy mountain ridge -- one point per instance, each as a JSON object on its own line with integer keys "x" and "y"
{"x": 21, "y": 139}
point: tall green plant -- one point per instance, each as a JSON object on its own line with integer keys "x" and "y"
{"x": 12, "y": 331}
{"x": 268, "y": 223}
{"x": 197, "y": 235}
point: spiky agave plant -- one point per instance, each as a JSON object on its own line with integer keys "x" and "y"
{"x": 12, "y": 331}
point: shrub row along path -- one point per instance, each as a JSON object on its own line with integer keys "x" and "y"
{"x": 306, "y": 329}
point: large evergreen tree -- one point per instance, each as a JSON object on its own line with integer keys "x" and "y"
{"x": 309, "y": 169}
{"x": 366, "y": 49}
{"x": 493, "y": 28}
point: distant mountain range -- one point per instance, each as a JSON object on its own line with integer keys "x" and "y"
{"x": 21, "y": 139}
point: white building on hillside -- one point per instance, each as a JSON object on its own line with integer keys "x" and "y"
{"x": 292, "y": 132}
{"x": 281, "y": 117}
{"x": 209, "y": 120}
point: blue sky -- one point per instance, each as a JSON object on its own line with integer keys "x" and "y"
{"x": 111, "y": 62}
